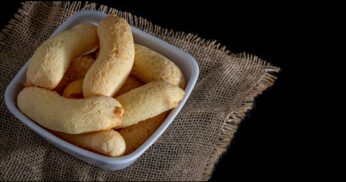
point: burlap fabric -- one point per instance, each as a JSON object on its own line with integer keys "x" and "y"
{"x": 190, "y": 147}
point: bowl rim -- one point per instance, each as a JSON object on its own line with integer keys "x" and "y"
{"x": 58, "y": 142}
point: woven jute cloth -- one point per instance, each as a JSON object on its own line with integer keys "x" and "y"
{"x": 190, "y": 147}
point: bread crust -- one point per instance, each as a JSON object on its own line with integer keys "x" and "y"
{"x": 107, "y": 142}
{"x": 52, "y": 58}
{"x": 115, "y": 60}
{"x": 135, "y": 135}
{"x": 74, "y": 90}
{"x": 131, "y": 83}
{"x": 72, "y": 116}
{"x": 152, "y": 66}
{"x": 76, "y": 70}
{"x": 148, "y": 101}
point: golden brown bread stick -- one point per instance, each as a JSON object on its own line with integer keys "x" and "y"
{"x": 148, "y": 101}
{"x": 107, "y": 142}
{"x": 72, "y": 116}
{"x": 115, "y": 60}
{"x": 135, "y": 135}
{"x": 151, "y": 66}
{"x": 51, "y": 60}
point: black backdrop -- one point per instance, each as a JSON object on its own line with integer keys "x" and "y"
{"x": 265, "y": 142}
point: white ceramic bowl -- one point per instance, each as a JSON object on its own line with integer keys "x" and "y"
{"x": 185, "y": 62}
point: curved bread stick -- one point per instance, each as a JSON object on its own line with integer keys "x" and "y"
{"x": 115, "y": 60}
{"x": 51, "y": 60}
{"x": 151, "y": 66}
{"x": 148, "y": 101}
{"x": 108, "y": 142}
{"x": 72, "y": 116}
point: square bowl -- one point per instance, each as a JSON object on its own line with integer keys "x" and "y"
{"x": 183, "y": 60}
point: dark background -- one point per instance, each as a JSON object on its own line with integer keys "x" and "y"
{"x": 268, "y": 138}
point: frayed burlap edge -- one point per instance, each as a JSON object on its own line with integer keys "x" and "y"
{"x": 233, "y": 117}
